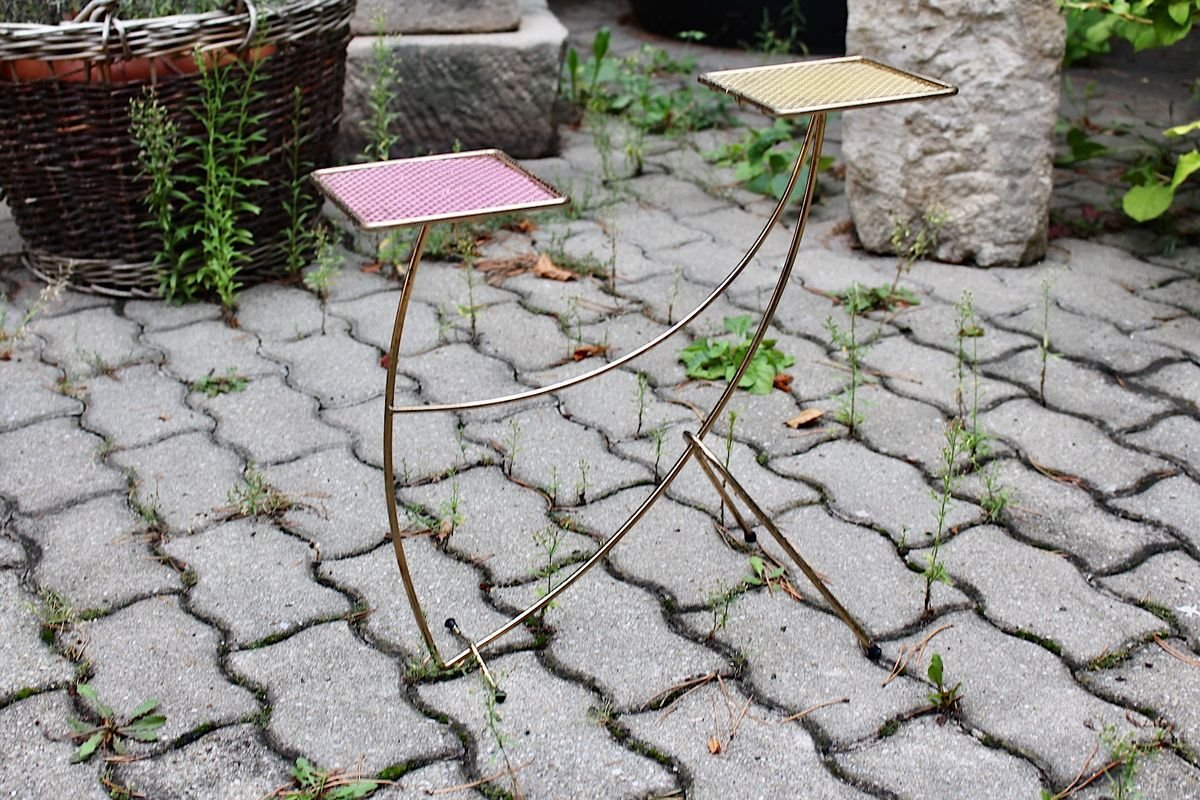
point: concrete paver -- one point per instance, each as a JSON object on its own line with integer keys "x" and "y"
{"x": 267, "y": 639}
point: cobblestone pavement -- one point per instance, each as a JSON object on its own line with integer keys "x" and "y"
{"x": 1071, "y": 619}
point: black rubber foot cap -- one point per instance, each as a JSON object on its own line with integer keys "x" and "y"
{"x": 873, "y": 652}
{"x": 501, "y": 695}
{"x": 751, "y": 537}
{"x": 451, "y": 624}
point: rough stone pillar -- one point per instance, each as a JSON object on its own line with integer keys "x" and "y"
{"x": 984, "y": 156}
{"x": 475, "y": 89}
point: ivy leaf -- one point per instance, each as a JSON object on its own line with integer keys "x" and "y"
{"x": 1147, "y": 202}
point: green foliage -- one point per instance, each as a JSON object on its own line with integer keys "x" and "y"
{"x": 299, "y": 203}
{"x": 317, "y": 784}
{"x": 256, "y": 497}
{"x": 1145, "y": 24}
{"x": 157, "y": 138}
{"x": 1155, "y": 193}
{"x": 914, "y": 240}
{"x": 631, "y": 88}
{"x": 847, "y": 341}
{"x": 112, "y": 731}
{"x": 329, "y": 266}
{"x": 383, "y": 76}
{"x": 216, "y": 194}
{"x": 783, "y": 34}
{"x": 859, "y": 300}
{"x": 720, "y": 600}
{"x": 762, "y": 573}
{"x": 763, "y": 159}
{"x": 229, "y": 383}
{"x": 935, "y": 568}
{"x": 944, "y": 698}
{"x": 718, "y": 359}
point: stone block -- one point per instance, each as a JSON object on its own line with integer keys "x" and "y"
{"x": 983, "y": 156}
{"x": 435, "y": 16}
{"x": 471, "y": 89}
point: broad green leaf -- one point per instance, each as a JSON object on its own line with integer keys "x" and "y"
{"x": 935, "y": 669}
{"x": 1147, "y": 202}
{"x": 1185, "y": 166}
{"x": 352, "y": 791}
{"x": 1180, "y": 10}
{"x": 144, "y": 709}
{"x": 79, "y": 726}
{"x": 88, "y": 693}
{"x": 1182, "y": 130}
{"x": 86, "y": 749}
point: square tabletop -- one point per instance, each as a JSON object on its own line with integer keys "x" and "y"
{"x": 828, "y": 84}
{"x": 439, "y": 188}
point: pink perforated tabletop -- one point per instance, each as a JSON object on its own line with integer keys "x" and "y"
{"x": 453, "y": 186}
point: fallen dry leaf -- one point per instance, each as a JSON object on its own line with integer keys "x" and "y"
{"x": 545, "y": 268}
{"x": 371, "y": 266}
{"x": 805, "y": 417}
{"x": 588, "y": 350}
{"x": 714, "y": 745}
{"x": 521, "y": 226}
{"x": 383, "y": 361}
{"x": 782, "y": 382}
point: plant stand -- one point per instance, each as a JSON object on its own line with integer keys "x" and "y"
{"x": 458, "y": 186}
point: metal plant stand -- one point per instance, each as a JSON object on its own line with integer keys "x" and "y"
{"x": 459, "y": 186}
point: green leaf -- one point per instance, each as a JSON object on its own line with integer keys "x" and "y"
{"x": 1187, "y": 164}
{"x": 935, "y": 669}
{"x": 1181, "y": 130}
{"x": 305, "y": 773}
{"x": 144, "y": 709}
{"x": 352, "y": 791}
{"x": 1147, "y": 202}
{"x": 86, "y": 749}
{"x": 88, "y": 693}
{"x": 738, "y": 325}
{"x": 1180, "y": 10}
{"x": 79, "y": 726}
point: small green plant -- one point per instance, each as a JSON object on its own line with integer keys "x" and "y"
{"x": 512, "y": 446}
{"x": 255, "y": 497}
{"x": 763, "y": 160}
{"x": 914, "y": 240}
{"x": 470, "y": 310}
{"x": 158, "y": 141}
{"x": 945, "y": 699}
{"x": 383, "y": 76}
{"x": 229, "y": 383}
{"x": 849, "y": 411}
{"x": 935, "y": 567}
{"x": 555, "y": 485}
{"x": 996, "y": 498}
{"x": 216, "y": 195}
{"x": 299, "y": 203}
{"x": 1125, "y": 757}
{"x": 783, "y": 34}
{"x": 859, "y": 300}
{"x": 111, "y": 733}
{"x": 329, "y": 266}
{"x": 639, "y": 399}
{"x": 448, "y": 518}
{"x": 720, "y": 600}
{"x": 583, "y": 484}
{"x": 147, "y": 510}
{"x": 548, "y": 540}
{"x": 763, "y": 573}
{"x": 733, "y": 415}
{"x": 658, "y": 435}
{"x": 8, "y": 338}
{"x": 966, "y": 369}
{"x": 719, "y": 359}
{"x": 56, "y": 614}
{"x": 492, "y": 697}
{"x": 310, "y": 783}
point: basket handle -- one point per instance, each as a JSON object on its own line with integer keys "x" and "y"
{"x": 252, "y": 29}
{"x": 105, "y": 11}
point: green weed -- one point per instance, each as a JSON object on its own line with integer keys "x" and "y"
{"x": 310, "y": 783}
{"x": 229, "y": 383}
{"x": 763, "y": 159}
{"x": 945, "y": 699}
{"x": 849, "y": 412}
{"x": 112, "y": 731}
{"x": 255, "y": 497}
{"x": 719, "y": 359}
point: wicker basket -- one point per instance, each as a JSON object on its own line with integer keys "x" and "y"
{"x": 68, "y": 164}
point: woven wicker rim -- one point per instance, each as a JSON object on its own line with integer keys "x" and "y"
{"x": 103, "y": 37}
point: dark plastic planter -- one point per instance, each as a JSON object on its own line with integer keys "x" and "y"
{"x": 738, "y": 24}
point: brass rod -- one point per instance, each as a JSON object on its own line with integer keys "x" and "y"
{"x": 811, "y": 148}
{"x": 497, "y": 692}
{"x": 389, "y": 472}
{"x": 722, "y": 287}
{"x": 747, "y": 533}
{"x": 709, "y": 460}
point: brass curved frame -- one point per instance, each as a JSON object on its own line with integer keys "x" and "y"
{"x": 810, "y": 152}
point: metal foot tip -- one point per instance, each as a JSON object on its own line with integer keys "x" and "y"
{"x": 451, "y": 625}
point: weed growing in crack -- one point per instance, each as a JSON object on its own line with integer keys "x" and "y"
{"x": 935, "y": 568}
{"x": 719, "y": 359}
{"x": 212, "y": 385}
{"x": 548, "y": 541}
{"x": 255, "y": 497}
{"x": 849, "y": 412}
{"x": 299, "y": 203}
{"x": 733, "y": 415}
{"x": 582, "y": 485}
{"x": 111, "y": 733}
{"x": 945, "y": 699}
{"x": 470, "y": 310}
{"x": 720, "y": 600}
{"x": 967, "y": 329}
{"x": 448, "y": 517}
{"x": 46, "y": 297}
{"x": 512, "y": 446}
{"x": 658, "y": 435}
{"x": 329, "y": 266}
{"x": 310, "y": 783}
{"x": 56, "y": 614}
{"x": 640, "y": 399}
{"x": 492, "y": 720}
{"x": 146, "y": 509}
{"x": 555, "y": 484}
{"x": 996, "y": 498}
{"x": 913, "y": 241}
{"x": 157, "y": 138}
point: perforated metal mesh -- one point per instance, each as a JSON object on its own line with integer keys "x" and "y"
{"x": 804, "y": 87}
{"x": 453, "y": 186}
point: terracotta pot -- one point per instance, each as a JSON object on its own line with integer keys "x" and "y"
{"x": 136, "y": 69}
